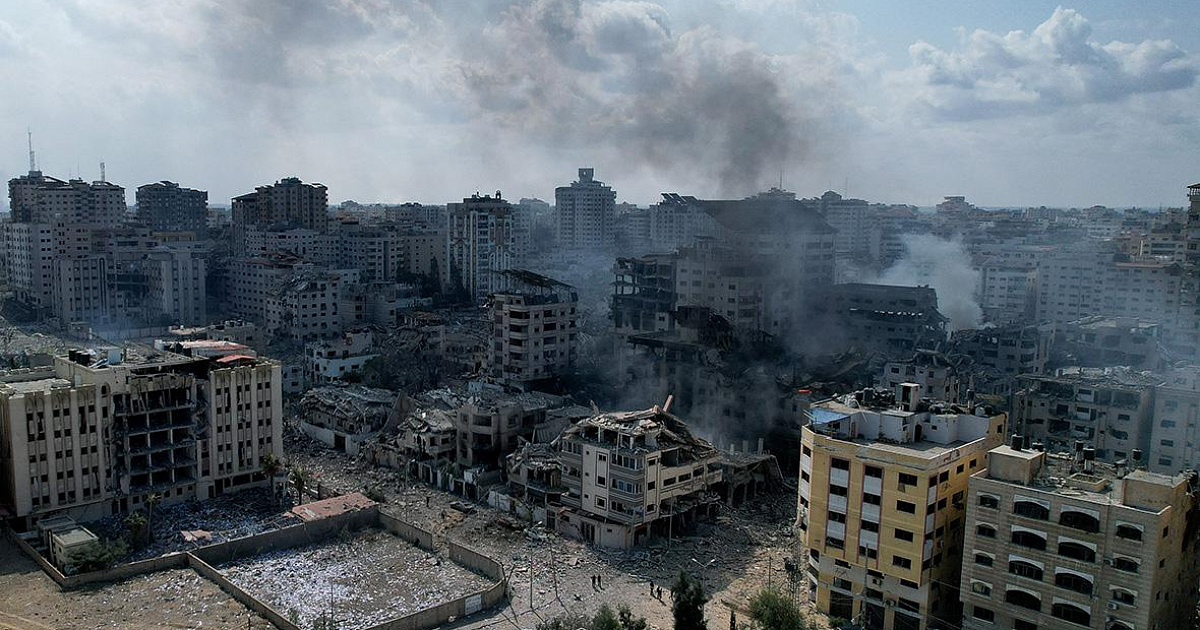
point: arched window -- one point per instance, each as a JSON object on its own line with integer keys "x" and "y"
{"x": 1073, "y": 582}
{"x": 1023, "y": 599}
{"x": 1128, "y": 532}
{"x": 1029, "y": 509}
{"x": 1076, "y": 551}
{"x": 1124, "y": 596}
{"x": 1025, "y": 569}
{"x": 1029, "y": 539}
{"x": 988, "y": 501}
{"x": 1074, "y": 614}
{"x": 1125, "y": 564}
{"x": 987, "y": 531}
{"x": 1080, "y": 521}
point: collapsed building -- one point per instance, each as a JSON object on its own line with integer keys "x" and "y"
{"x": 617, "y": 479}
{"x": 893, "y": 320}
{"x": 345, "y": 417}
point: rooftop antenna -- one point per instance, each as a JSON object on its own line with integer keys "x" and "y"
{"x": 32, "y": 163}
{"x": 102, "y": 172}
{"x": 780, "y": 179}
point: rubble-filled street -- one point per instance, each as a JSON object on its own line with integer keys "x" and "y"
{"x": 736, "y": 555}
{"x": 358, "y": 580}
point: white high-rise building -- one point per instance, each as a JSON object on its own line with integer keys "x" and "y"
{"x": 479, "y": 242}
{"x": 585, "y": 213}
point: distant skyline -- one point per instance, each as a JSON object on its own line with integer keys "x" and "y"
{"x": 1009, "y": 104}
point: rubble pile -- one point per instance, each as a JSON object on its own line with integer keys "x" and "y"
{"x": 359, "y": 581}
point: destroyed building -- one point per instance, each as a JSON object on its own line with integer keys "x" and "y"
{"x": 343, "y": 417}
{"x": 937, "y": 375}
{"x": 999, "y": 354}
{"x": 893, "y": 320}
{"x": 1100, "y": 341}
{"x": 1109, "y": 409}
{"x": 643, "y": 294}
{"x": 533, "y": 328}
{"x": 628, "y": 474}
{"x": 98, "y": 432}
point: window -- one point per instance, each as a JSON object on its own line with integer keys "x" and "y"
{"x": 981, "y": 588}
{"x": 1128, "y": 565}
{"x": 1080, "y": 521}
{"x": 1076, "y": 551}
{"x": 839, "y": 464}
{"x": 1029, "y": 509}
{"x": 988, "y": 501}
{"x": 1071, "y": 613}
{"x": 1073, "y": 582}
{"x": 983, "y": 560}
{"x": 873, "y": 499}
{"x": 902, "y": 562}
{"x": 904, "y": 534}
{"x": 1123, "y": 596}
{"x": 1025, "y": 569}
{"x": 987, "y": 531}
{"x": 873, "y": 471}
{"x": 1128, "y": 532}
{"x": 907, "y": 507}
{"x": 1023, "y": 599}
{"x": 837, "y": 517}
{"x": 868, "y": 526}
{"x": 907, "y": 480}
{"x": 838, "y": 490}
{"x": 1029, "y": 539}
{"x": 983, "y": 614}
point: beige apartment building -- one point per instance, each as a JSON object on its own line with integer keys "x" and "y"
{"x": 96, "y": 433}
{"x": 1061, "y": 542}
{"x": 882, "y": 506}
{"x": 533, "y": 328}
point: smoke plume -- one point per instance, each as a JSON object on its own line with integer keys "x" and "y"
{"x": 946, "y": 266}
{"x": 613, "y": 75}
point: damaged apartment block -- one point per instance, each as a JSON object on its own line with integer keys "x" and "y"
{"x": 98, "y": 432}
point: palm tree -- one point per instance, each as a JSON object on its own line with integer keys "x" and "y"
{"x": 152, "y": 501}
{"x": 300, "y": 479}
{"x": 271, "y": 467}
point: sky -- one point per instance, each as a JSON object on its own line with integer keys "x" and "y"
{"x": 1009, "y": 103}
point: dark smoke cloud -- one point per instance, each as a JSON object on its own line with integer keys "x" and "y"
{"x": 613, "y": 75}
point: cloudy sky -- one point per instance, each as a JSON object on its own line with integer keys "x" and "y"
{"x": 1009, "y": 103}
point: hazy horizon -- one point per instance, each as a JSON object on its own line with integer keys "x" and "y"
{"x": 387, "y": 101}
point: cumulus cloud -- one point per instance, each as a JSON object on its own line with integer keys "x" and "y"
{"x": 1056, "y": 65}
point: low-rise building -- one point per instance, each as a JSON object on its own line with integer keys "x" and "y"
{"x": 345, "y": 417}
{"x": 882, "y": 506}
{"x": 1059, "y": 542}
{"x": 335, "y": 360}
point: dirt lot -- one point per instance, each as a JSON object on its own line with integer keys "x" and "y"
{"x": 172, "y": 600}
{"x": 737, "y": 555}
{"x": 362, "y": 580}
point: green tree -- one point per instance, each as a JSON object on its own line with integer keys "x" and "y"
{"x": 271, "y": 467}
{"x": 95, "y": 556}
{"x": 771, "y": 609}
{"x": 135, "y": 528}
{"x": 688, "y": 605}
{"x": 605, "y": 619}
{"x": 152, "y": 501}
{"x": 300, "y": 478}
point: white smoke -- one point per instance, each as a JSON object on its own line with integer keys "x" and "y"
{"x": 945, "y": 265}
